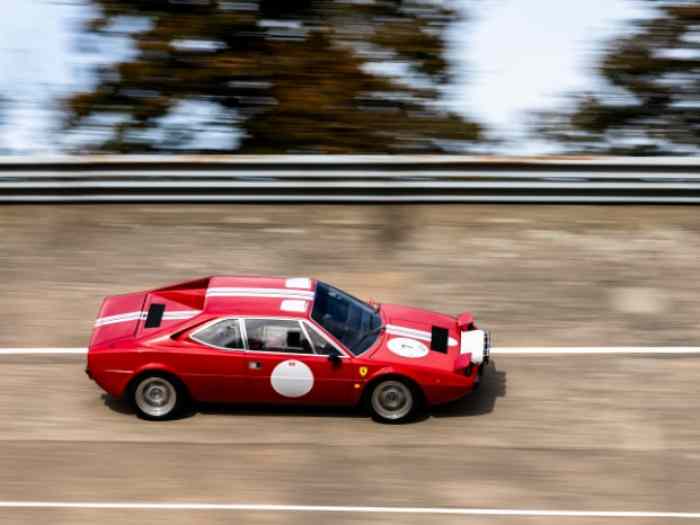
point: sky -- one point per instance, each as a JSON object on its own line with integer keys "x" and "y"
{"x": 509, "y": 58}
{"x": 513, "y": 57}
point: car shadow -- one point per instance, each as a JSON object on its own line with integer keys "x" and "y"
{"x": 123, "y": 407}
{"x": 117, "y": 405}
{"x": 278, "y": 410}
{"x": 480, "y": 402}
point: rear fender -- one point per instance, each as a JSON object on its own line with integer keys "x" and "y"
{"x": 146, "y": 369}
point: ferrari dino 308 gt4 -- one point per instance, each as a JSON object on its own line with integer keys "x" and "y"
{"x": 258, "y": 340}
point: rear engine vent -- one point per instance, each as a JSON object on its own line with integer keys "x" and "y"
{"x": 155, "y": 315}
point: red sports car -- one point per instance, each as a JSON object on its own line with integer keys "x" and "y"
{"x": 278, "y": 340}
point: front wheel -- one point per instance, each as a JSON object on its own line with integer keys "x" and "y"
{"x": 393, "y": 401}
{"x": 157, "y": 397}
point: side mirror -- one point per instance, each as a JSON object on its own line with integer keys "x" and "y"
{"x": 333, "y": 354}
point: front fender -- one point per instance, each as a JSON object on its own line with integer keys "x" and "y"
{"x": 436, "y": 386}
{"x": 390, "y": 370}
{"x": 387, "y": 372}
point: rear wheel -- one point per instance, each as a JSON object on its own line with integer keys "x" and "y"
{"x": 393, "y": 401}
{"x": 157, "y": 397}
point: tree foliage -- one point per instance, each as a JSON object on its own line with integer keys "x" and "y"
{"x": 652, "y": 105}
{"x": 287, "y": 76}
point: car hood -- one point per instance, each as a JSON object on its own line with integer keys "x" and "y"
{"x": 407, "y": 335}
{"x": 416, "y": 317}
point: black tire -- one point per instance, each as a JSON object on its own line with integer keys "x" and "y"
{"x": 157, "y": 396}
{"x": 393, "y": 400}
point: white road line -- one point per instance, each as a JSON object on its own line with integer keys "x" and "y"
{"x": 252, "y": 507}
{"x": 530, "y": 350}
{"x": 48, "y": 351}
{"x": 596, "y": 350}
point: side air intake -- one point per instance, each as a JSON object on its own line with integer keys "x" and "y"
{"x": 154, "y": 316}
{"x": 439, "y": 339}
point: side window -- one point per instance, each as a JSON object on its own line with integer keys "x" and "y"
{"x": 224, "y": 334}
{"x": 321, "y": 345}
{"x": 271, "y": 335}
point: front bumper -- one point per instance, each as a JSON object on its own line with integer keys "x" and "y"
{"x": 477, "y": 345}
{"x": 487, "y": 347}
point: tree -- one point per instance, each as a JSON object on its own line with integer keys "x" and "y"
{"x": 286, "y": 76}
{"x": 652, "y": 105}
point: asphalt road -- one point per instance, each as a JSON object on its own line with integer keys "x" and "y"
{"x": 606, "y": 432}
{"x": 569, "y": 432}
{"x": 534, "y": 275}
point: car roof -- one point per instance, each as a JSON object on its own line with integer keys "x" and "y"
{"x": 255, "y": 295}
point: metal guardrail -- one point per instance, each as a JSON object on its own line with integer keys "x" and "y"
{"x": 334, "y": 179}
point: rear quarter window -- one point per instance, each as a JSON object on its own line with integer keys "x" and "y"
{"x": 224, "y": 334}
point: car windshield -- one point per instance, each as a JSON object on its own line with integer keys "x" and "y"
{"x": 352, "y": 322}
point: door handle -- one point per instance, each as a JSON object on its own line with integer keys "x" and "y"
{"x": 254, "y": 365}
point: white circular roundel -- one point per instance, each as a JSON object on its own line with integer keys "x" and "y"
{"x": 406, "y": 347}
{"x": 292, "y": 378}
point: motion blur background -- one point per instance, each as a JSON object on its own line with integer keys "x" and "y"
{"x": 346, "y": 77}
{"x": 491, "y": 77}
{"x": 304, "y": 76}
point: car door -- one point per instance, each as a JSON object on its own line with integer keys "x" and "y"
{"x": 216, "y": 367}
{"x": 285, "y": 366}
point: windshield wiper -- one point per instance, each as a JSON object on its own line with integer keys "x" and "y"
{"x": 375, "y": 331}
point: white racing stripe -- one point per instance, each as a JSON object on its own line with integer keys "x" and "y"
{"x": 403, "y": 331}
{"x": 613, "y": 350}
{"x": 179, "y": 314}
{"x": 119, "y": 318}
{"x": 346, "y": 509}
{"x": 173, "y": 315}
{"x": 298, "y": 282}
{"x": 261, "y": 295}
{"x": 260, "y": 292}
